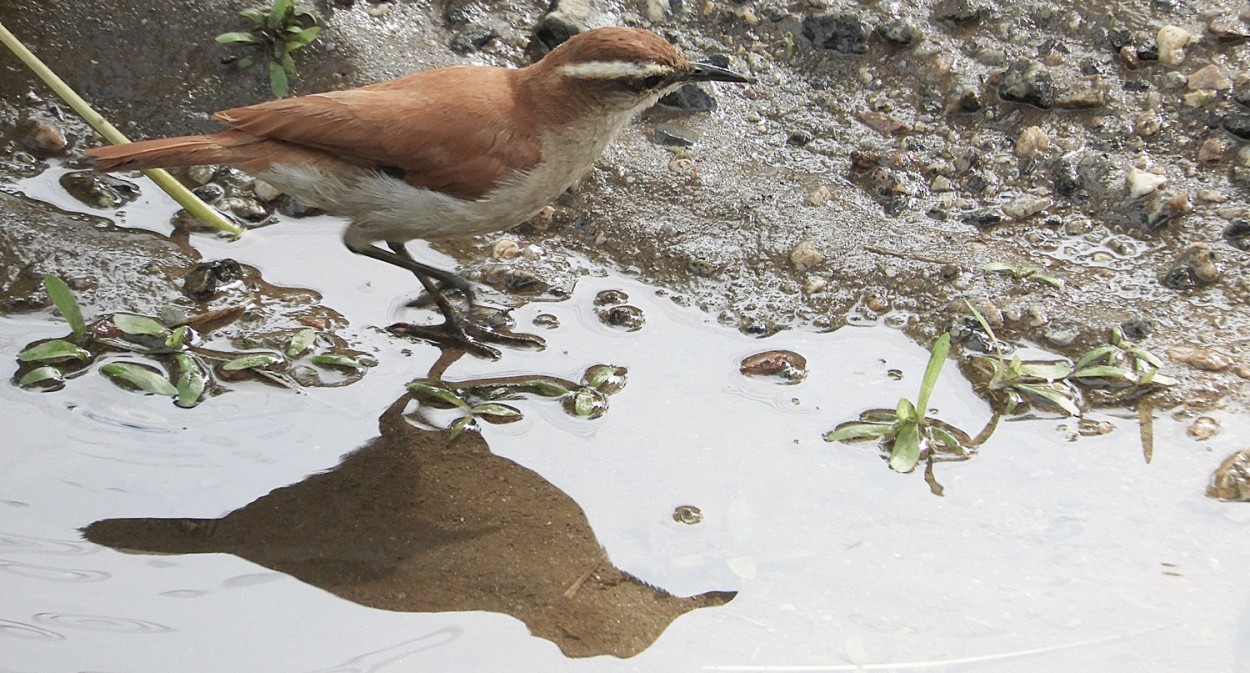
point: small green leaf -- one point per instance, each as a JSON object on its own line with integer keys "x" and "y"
{"x": 288, "y": 63}
{"x": 38, "y": 375}
{"x": 495, "y": 409}
{"x": 1163, "y": 380}
{"x": 252, "y": 361}
{"x": 459, "y": 426}
{"x": 887, "y": 416}
{"x": 302, "y": 37}
{"x": 191, "y": 380}
{"x": 300, "y": 342}
{"x": 584, "y": 402}
{"x": 254, "y": 15}
{"x": 1054, "y": 397}
{"x": 139, "y": 325}
{"x": 1105, "y": 353}
{"x": 1049, "y": 371}
{"x": 905, "y": 412}
{"x": 999, "y": 267}
{"x": 936, "y": 359}
{"x": 178, "y": 338}
{"x": 277, "y": 13}
{"x": 56, "y": 349}
{"x": 1056, "y": 283}
{"x": 946, "y": 439}
{"x": 245, "y": 62}
{"x": 1104, "y": 372}
{"x": 546, "y": 388}
{"x": 1143, "y": 354}
{"x": 425, "y": 390}
{"x": 277, "y": 80}
{"x": 63, "y": 299}
{"x": 849, "y": 432}
{"x": 237, "y": 37}
{"x": 141, "y": 377}
{"x": 335, "y": 360}
{"x": 906, "y": 451}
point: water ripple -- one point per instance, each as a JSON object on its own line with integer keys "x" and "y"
{"x": 27, "y": 631}
{"x": 35, "y": 572}
{"x": 100, "y": 623}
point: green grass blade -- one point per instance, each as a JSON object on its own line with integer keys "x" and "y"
{"x": 63, "y": 299}
{"x": 906, "y": 452}
{"x": 56, "y": 349}
{"x": 140, "y": 377}
{"x": 936, "y": 360}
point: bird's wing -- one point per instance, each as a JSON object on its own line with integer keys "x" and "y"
{"x": 459, "y": 142}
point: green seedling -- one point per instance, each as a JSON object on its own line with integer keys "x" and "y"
{"x": 906, "y": 431}
{"x": 1023, "y": 273}
{"x": 277, "y": 30}
{"x": 1120, "y": 364}
{"x": 1014, "y": 383}
{"x": 46, "y": 365}
{"x": 491, "y": 412}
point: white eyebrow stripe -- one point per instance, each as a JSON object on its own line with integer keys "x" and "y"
{"x": 614, "y": 69}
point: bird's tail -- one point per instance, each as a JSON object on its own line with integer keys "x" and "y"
{"x": 218, "y": 148}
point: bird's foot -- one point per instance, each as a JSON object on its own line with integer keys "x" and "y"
{"x": 470, "y": 336}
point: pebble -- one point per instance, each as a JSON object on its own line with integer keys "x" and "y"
{"x": 473, "y": 39}
{"x": 805, "y": 255}
{"x": 44, "y": 139}
{"x": 900, "y": 31}
{"x": 505, "y": 249}
{"x": 1238, "y": 234}
{"x": 1032, "y": 141}
{"x": 883, "y": 123}
{"x": 1061, "y": 336}
{"x": 1200, "y": 358}
{"x": 1141, "y": 183}
{"x": 843, "y": 33}
{"x": 1231, "y": 480}
{"x": 1199, "y": 98}
{"x": 626, "y": 317}
{"x": 689, "y": 98}
{"x": 1210, "y": 77}
{"x": 1203, "y": 428}
{"x": 200, "y": 175}
{"x": 788, "y": 366}
{"x": 687, "y": 514}
{"x": 819, "y": 196}
{"x": 1211, "y": 149}
{"x": 265, "y": 191}
{"x": 1147, "y": 124}
{"x": 1172, "y": 41}
{"x": 1026, "y": 206}
{"x": 667, "y": 134}
{"x": 941, "y": 183}
{"x": 1238, "y": 124}
{"x": 1194, "y": 267}
{"x": 1027, "y": 82}
{"x": 814, "y": 285}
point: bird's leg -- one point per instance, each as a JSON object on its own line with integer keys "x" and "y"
{"x": 455, "y": 328}
{"x": 447, "y": 279}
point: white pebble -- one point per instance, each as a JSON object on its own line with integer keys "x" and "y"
{"x": 1172, "y": 41}
{"x": 1141, "y": 183}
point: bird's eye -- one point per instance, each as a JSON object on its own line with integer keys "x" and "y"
{"x": 653, "y": 81}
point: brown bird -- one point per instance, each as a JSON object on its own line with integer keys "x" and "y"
{"x": 441, "y": 153}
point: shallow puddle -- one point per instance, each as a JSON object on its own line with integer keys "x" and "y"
{"x": 1048, "y": 550}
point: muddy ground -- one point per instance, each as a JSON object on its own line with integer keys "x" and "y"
{"x": 887, "y": 153}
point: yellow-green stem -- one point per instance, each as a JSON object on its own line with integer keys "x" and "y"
{"x": 164, "y": 180}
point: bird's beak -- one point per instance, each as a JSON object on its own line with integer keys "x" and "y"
{"x": 706, "y": 72}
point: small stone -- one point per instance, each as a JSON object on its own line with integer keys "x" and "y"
{"x": 1141, "y": 183}
{"x": 265, "y": 191}
{"x": 1238, "y": 124}
{"x": 249, "y": 210}
{"x": 546, "y": 320}
{"x": 1027, "y": 82}
{"x": 1087, "y": 427}
{"x": 788, "y": 366}
{"x": 687, "y": 514}
{"x": 1200, "y": 358}
{"x": 689, "y": 98}
{"x": 674, "y": 136}
{"x": 958, "y": 11}
{"x": 611, "y": 297}
{"x": 1091, "y": 95}
{"x": 207, "y": 278}
{"x": 505, "y": 249}
{"x": 1203, "y": 428}
{"x": 882, "y": 123}
{"x": 805, "y": 256}
{"x": 209, "y": 193}
{"x": 1032, "y": 141}
{"x": 1026, "y": 206}
{"x": 625, "y": 317}
{"x": 1210, "y": 77}
{"x": 44, "y": 139}
{"x": 1061, "y": 336}
{"x": 799, "y": 138}
{"x": 819, "y": 196}
{"x": 1172, "y": 41}
{"x": 473, "y": 39}
{"x": 1228, "y": 29}
{"x": 1147, "y": 124}
{"x": 814, "y": 285}
{"x": 200, "y": 175}
{"x": 941, "y": 183}
{"x": 1199, "y": 98}
{"x": 1231, "y": 480}
{"x": 99, "y": 190}
{"x": 1238, "y": 234}
{"x": 900, "y": 31}
{"x": 1210, "y": 150}
{"x": 1136, "y": 329}
{"x": 1194, "y": 267}
{"x": 843, "y": 33}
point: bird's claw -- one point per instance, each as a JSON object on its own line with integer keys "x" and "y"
{"x": 461, "y": 333}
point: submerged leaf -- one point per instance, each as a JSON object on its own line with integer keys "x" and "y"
{"x": 906, "y": 451}
{"x": 459, "y": 426}
{"x": 237, "y": 37}
{"x": 1104, "y": 372}
{"x": 854, "y": 430}
{"x": 336, "y": 360}
{"x": 422, "y": 391}
{"x": 191, "y": 380}
{"x": 252, "y": 361}
{"x": 56, "y": 349}
{"x": 139, "y": 325}
{"x": 301, "y": 341}
{"x": 1054, "y": 397}
{"x": 38, "y": 375}
{"x": 1105, "y": 353}
{"x": 64, "y": 301}
{"x": 1049, "y": 371}
{"x": 141, "y": 377}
